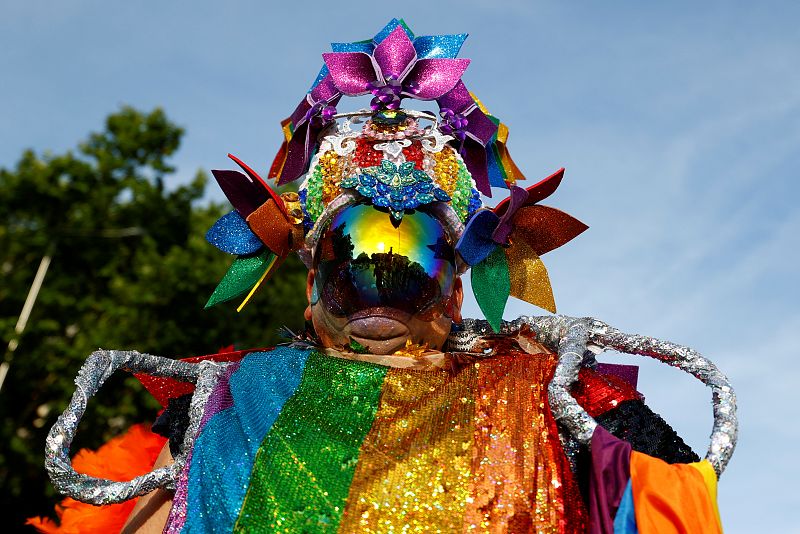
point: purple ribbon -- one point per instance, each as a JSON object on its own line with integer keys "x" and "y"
{"x": 388, "y": 95}
{"x": 453, "y": 123}
{"x": 320, "y": 114}
{"x": 313, "y": 113}
{"x": 477, "y": 129}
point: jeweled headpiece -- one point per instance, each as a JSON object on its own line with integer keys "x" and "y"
{"x": 397, "y": 161}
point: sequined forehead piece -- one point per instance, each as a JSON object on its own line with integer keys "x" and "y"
{"x": 397, "y": 160}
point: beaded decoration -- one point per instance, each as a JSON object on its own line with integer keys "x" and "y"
{"x": 397, "y": 160}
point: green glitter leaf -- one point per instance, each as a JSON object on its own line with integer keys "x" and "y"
{"x": 491, "y": 286}
{"x": 357, "y": 347}
{"x": 241, "y": 277}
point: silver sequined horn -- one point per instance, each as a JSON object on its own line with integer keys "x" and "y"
{"x": 98, "y": 367}
{"x": 572, "y": 337}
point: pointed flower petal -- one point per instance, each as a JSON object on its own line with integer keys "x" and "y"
{"x": 435, "y": 77}
{"x": 359, "y": 46}
{"x": 491, "y": 285}
{"x": 241, "y": 277}
{"x": 529, "y": 279}
{"x": 537, "y": 192}
{"x": 476, "y": 242}
{"x": 395, "y": 55}
{"x": 545, "y": 228}
{"x": 231, "y": 234}
{"x": 444, "y": 46}
{"x": 390, "y": 27}
{"x": 506, "y": 225}
{"x": 350, "y": 71}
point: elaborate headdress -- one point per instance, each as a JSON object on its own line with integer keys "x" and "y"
{"x": 398, "y": 161}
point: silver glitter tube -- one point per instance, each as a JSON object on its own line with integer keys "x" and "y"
{"x": 98, "y": 367}
{"x": 572, "y": 337}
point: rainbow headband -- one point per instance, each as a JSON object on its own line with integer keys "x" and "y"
{"x": 396, "y": 160}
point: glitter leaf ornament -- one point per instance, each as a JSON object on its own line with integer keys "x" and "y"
{"x": 231, "y": 234}
{"x": 491, "y": 285}
{"x": 529, "y": 279}
{"x": 241, "y": 277}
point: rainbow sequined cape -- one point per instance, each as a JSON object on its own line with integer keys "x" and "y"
{"x": 294, "y": 440}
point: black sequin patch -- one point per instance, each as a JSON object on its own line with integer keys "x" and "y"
{"x": 173, "y": 422}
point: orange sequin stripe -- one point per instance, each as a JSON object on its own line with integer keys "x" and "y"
{"x": 521, "y": 481}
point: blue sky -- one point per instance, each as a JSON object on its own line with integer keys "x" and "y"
{"x": 679, "y": 126}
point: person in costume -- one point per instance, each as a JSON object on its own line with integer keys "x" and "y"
{"x": 391, "y": 412}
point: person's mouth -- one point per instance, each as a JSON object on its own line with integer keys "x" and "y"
{"x": 382, "y": 330}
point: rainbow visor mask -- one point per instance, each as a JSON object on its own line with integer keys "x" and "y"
{"x": 363, "y": 261}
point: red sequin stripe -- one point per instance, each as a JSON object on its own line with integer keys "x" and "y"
{"x": 599, "y": 393}
{"x": 163, "y": 389}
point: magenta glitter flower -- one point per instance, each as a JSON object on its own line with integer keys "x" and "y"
{"x": 394, "y": 64}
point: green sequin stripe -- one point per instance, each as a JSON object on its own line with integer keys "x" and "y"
{"x": 304, "y": 467}
{"x": 314, "y": 204}
{"x": 462, "y": 191}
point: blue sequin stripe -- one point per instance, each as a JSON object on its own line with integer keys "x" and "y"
{"x": 225, "y": 450}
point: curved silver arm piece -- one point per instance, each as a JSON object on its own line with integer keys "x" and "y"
{"x": 571, "y": 337}
{"x": 98, "y": 367}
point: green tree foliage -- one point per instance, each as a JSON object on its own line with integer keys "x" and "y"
{"x": 130, "y": 270}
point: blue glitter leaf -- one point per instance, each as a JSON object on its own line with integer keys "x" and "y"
{"x": 439, "y": 46}
{"x": 231, "y": 234}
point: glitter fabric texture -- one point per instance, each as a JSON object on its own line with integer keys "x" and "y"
{"x": 303, "y": 441}
{"x": 521, "y": 481}
{"x": 219, "y": 400}
{"x": 305, "y": 464}
{"x": 226, "y": 449}
{"x": 574, "y": 336}
{"x": 413, "y": 472}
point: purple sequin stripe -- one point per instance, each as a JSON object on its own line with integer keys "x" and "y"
{"x": 219, "y": 400}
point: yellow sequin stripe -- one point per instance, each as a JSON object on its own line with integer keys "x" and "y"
{"x": 413, "y": 472}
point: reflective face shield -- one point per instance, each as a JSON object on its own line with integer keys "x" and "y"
{"x": 363, "y": 261}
